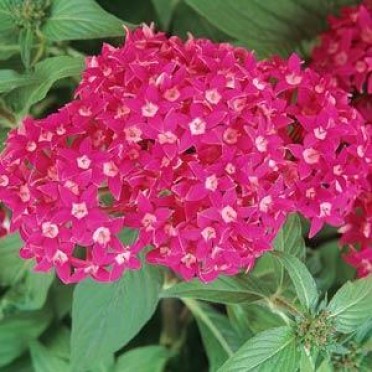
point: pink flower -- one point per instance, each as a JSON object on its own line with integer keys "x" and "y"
{"x": 196, "y": 145}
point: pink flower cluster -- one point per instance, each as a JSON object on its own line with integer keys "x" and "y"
{"x": 345, "y": 53}
{"x": 199, "y": 147}
{"x": 345, "y": 50}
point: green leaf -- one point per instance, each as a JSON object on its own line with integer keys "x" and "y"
{"x": 302, "y": 280}
{"x": 351, "y": 306}
{"x": 30, "y": 293}
{"x": 12, "y": 267}
{"x": 8, "y": 50}
{"x": 328, "y": 267}
{"x": 306, "y": 361}
{"x": 165, "y": 9}
{"x": 17, "y": 331}
{"x": 10, "y": 80}
{"x": 43, "y": 359}
{"x": 270, "y": 26}
{"x": 144, "y": 359}
{"x": 226, "y": 290}
{"x": 8, "y": 28}
{"x": 186, "y": 20}
{"x": 105, "y": 317}
{"x": 85, "y": 19}
{"x": 45, "y": 75}
{"x": 267, "y": 351}
{"x": 58, "y": 342}
{"x": 325, "y": 366}
{"x": 289, "y": 238}
{"x": 219, "y": 337}
{"x": 239, "y": 319}
{"x": 28, "y": 290}
{"x": 26, "y": 42}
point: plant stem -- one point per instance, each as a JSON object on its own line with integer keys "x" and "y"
{"x": 171, "y": 309}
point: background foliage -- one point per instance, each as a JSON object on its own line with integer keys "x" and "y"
{"x": 294, "y": 311}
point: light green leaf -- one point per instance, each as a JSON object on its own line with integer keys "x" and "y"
{"x": 105, "y": 317}
{"x": 83, "y": 19}
{"x": 302, "y": 280}
{"x": 30, "y": 293}
{"x": 325, "y": 366}
{"x": 289, "y": 238}
{"x": 45, "y": 75}
{"x": 219, "y": 337}
{"x": 266, "y": 352}
{"x": 43, "y": 359}
{"x": 270, "y": 26}
{"x": 226, "y": 290}
{"x": 165, "y": 9}
{"x": 17, "y": 331}
{"x": 8, "y": 28}
{"x": 351, "y": 306}
{"x": 8, "y": 50}
{"x": 10, "y": 80}
{"x": 144, "y": 359}
{"x": 26, "y": 42}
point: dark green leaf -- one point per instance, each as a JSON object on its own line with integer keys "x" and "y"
{"x": 144, "y": 359}
{"x": 289, "y": 238}
{"x": 303, "y": 282}
{"x": 270, "y": 26}
{"x": 186, "y": 20}
{"x": 262, "y": 318}
{"x": 267, "y": 351}
{"x": 71, "y": 20}
{"x": 18, "y": 330}
{"x": 239, "y": 319}
{"x": 165, "y": 9}
{"x": 351, "y": 306}
{"x": 227, "y": 290}
{"x": 107, "y": 316}
{"x": 43, "y": 359}
{"x": 219, "y": 337}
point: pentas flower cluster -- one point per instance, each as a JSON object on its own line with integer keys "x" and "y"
{"x": 346, "y": 53}
{"x": 196, "y": 145}
{"x": 345, "y": 50}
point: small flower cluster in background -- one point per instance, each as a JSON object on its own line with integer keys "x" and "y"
{"x": 345, "y": 53}
{"x": 198, "y": 146}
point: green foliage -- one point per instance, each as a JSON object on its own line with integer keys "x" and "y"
{"x": 269, "y": 27}
{"x": 297, "y": 309}
{"x": 45, "y": 74}
{"x": 70, "y": 20}
{"x": 219, "y": 337}
{"x": 352, "y": 305}
{"x": 227, "y": 290}
{"x": 144, "y": 359}
{"x": 290, "y": 239}
{"x": 265, "y": 352}
{"x": 121, "y": 310}
{"x": 302, "y": 280}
